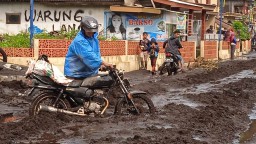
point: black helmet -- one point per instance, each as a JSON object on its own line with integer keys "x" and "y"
{"x": 89, "y": 24}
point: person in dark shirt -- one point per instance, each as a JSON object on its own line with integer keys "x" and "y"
{"x": 173, "y": 45}
{"x": 210, "y": 30}
{"x": 144, "y": 45}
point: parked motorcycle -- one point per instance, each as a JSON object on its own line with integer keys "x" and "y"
{"x": 170, "y": 64}
{"x": 88, "y": 96}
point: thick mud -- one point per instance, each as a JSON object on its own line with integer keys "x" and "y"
{"x": 195, "y": 107}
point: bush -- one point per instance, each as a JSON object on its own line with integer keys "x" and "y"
{"x": 22, "y": 40}
{"x": 242, "y": 30}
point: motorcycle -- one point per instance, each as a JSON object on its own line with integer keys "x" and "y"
{"x": 88, "y": 96}
{"x": 170, "y": 64}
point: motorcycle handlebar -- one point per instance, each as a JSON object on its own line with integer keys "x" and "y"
{"x": 108, "y": 68}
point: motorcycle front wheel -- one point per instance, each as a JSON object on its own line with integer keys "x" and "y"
{"x": 162, "y": 69}
{"x": 144, "y": 105}
{"x": 47, "y": 99}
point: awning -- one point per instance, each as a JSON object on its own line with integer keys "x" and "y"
{"x": 180, "y": 4}
{"x": 134, "y": 9}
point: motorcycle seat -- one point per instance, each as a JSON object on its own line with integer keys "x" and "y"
{"x": 75, "y": 83}
{"x": 44, "y": 79}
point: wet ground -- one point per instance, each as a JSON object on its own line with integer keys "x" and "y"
{"x": 195, "y": 107}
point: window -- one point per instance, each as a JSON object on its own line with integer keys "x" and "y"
{"x": 13, "y": 18}
{"x": 238, "y": 9}
{"x": 208, "y": 2}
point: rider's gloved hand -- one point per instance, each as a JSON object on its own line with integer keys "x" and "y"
{"x": 106, "y": 66}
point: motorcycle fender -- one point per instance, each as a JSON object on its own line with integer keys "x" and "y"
{"x": 137, "y": 92}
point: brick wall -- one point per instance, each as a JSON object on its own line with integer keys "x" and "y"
{"x": 59, "y": 48}
{"x": 133, "y": 48}
{"x": 210, "y": 50}
{"x": 19, "y": 52}
{"x": 225, "y": 45}
{"x": 188, "y": 52}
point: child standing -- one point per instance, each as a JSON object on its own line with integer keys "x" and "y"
{"x": 153, "y": 53}
{"x": 144, "y": 45}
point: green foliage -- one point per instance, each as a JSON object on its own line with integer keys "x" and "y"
{"x": 20, "y": 40}
{"x": 242, "y": 30}
{"x": 101, "y": 37}
{"x": 114, "y": 38}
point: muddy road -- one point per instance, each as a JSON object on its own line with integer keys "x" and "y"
{"x": 196, "y": 107}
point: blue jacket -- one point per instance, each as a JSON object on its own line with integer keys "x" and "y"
{"x": 83, "y": 58}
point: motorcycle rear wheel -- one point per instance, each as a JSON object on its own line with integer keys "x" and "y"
{"x": 44, "y": 97}
{"x": 143, "y": 104}
{"x": 3, "y": 56}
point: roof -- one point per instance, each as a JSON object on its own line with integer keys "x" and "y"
{"x": 134, "y": 9}
{"x": 179, "y": 4}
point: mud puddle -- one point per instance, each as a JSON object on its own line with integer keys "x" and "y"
{"x": 4, "y": 109}
{"x": 251, "y": 131}
{"x": 121, "y": 130}
{"x": 177, "y": 95}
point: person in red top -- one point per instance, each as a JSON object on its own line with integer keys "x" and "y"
{"x": 232, "y": 41}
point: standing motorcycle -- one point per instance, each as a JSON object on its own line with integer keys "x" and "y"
{"x": 88, "y": 96}
{"x": 170, "y": 64}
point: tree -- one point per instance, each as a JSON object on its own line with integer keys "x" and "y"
{"x": 242, "y": 30}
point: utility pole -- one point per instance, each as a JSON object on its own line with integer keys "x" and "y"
{"x": 220, "y": 27}
{"x": 31, "y": 23}
{"x": 251, "y": 6}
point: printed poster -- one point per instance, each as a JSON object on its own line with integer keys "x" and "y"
{"x": 131, "y": 26}
{"x": 181, "y": 22}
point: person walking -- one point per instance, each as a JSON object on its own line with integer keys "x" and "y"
{"x": 253, "y": 43}
{"x": 144, "y": 45}
{"x": 153, "y": 54}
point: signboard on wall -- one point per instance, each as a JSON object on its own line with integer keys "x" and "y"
{"x": 181, "y": 22}
{"x": 132, "y": 26}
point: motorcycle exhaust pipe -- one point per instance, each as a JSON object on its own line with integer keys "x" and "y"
{"x": 53, "y": 109}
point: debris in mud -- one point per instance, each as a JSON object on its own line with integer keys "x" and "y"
{"x": 200, "y": 62}
{"x": 12, "y": 67}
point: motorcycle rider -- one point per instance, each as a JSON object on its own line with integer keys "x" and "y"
{"x": 173, "y": 46}
{"x": 83, "y": 58}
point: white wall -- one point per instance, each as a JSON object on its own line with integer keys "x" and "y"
{"x": 45, "y": 16}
